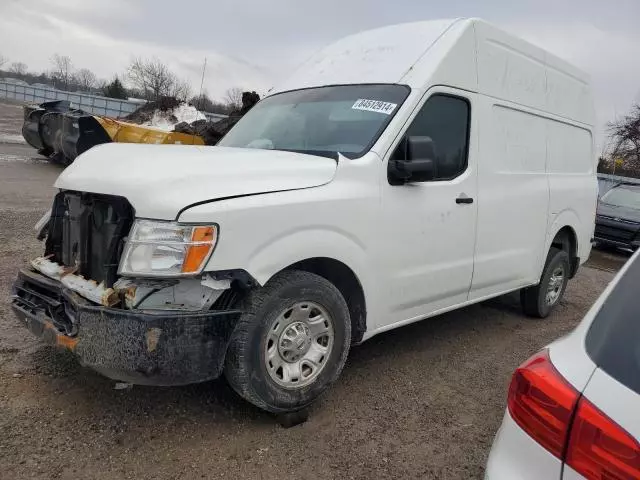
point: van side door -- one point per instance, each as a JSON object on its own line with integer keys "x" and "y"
{"x": 513, "y": 198}
{"x": 429, "y": 220}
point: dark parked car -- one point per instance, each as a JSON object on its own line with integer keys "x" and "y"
{"x": 618, "y": 217}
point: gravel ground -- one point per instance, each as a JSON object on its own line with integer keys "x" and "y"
{"x": 422, "y": 401}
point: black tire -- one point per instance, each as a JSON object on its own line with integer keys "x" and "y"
{"x": 45, "y": 152}
{"x": 533, "y": 299}
{"x": 245, "y": 365}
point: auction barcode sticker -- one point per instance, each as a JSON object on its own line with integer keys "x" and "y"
{"x": 374, "y": 106}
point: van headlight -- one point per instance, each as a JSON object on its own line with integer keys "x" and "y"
{"x": 167, "y": 249}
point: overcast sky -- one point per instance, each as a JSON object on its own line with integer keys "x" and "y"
{"x": 253, "y": 43}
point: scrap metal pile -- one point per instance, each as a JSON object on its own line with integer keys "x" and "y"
{"x": 212, "y": 132}
{"x": 61, "y": 133}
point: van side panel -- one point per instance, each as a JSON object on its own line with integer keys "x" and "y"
{"x": 513, "y": 196}
{"x": 536, "y": 171}
{"x": 573, "y": 187}
{"x": 509, "y": 68}
{"x": 568, "y": 92}
{"x": 512, "y": 69}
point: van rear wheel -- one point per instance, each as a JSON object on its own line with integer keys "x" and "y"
{"x": 290, "y": 343}
{"x": 539, "y": 300}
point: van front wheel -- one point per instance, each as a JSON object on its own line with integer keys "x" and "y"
{"x": 290, "y": 343}
{"x": 539, "y": 300}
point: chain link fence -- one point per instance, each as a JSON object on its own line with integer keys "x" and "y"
{"x": 94, "y": 104}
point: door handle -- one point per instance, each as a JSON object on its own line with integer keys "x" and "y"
{"x": 464, "y": 199}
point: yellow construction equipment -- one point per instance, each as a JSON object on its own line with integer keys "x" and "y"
{"x": 124, "y": 132}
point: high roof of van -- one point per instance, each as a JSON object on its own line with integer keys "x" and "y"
{"x": 382, "y": 55}
{"x": 469, "y": 54}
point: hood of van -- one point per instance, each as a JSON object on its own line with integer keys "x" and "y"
{"x": 161, "y": 180}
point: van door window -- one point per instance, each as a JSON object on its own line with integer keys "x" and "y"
{"x": 444, "y": 119}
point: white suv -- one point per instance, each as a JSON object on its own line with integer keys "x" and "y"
{"x": 573, "y": 409}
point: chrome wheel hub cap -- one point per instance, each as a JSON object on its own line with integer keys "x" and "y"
{"x": 298, "y": 345}
{"x": 555, "y": 286}
{"x": 294, "y": 342}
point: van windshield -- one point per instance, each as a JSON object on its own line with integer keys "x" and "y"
{"x": 324, "y": 121}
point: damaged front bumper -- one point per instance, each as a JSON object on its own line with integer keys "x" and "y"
{"x": 150, "y": 347}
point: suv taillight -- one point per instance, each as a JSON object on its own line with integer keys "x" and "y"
{"x": 600, "y": 448}
{"x": 543, "y": 403}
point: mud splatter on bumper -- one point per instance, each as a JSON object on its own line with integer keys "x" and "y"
{"x": 165, "y": 347}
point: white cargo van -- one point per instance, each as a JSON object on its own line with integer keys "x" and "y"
{"x": 398, "y": 174}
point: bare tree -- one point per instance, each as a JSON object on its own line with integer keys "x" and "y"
{"x": 19, "y": 68}
{"x": 62, "y": 69}
{"x": 181, "y": 90}
{"x": 625, "y": 133}
{"x": 85, "y": 79}
{"x": 233, "y": 98}
{"x": 152, "y": 77}
{"x": 3, "y": 60}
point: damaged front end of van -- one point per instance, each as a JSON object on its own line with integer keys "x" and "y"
{"x": 160, "y": 331}
{"x": 124, "y": 281}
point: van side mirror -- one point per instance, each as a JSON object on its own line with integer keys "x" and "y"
{"x": 414, "y": 161}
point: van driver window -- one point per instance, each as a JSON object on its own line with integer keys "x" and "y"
{"x": 445, "y": 120}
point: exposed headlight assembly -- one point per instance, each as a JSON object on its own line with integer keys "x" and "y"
{"x": 167, "y": 249}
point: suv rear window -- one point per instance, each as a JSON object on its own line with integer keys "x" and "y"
{"x": 613, "y": 341}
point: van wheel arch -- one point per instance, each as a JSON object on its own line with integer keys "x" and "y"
{"x": 336, "y": 272}
{"x": 347, "y": 282}
{"x": 567, "y": 240}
